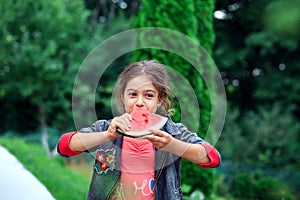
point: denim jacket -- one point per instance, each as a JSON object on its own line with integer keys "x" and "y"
{"x": 167, "y": 165}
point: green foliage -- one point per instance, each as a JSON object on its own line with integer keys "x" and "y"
{"x": 269, "y": 188}
{"x": 59, "y": 180}
{"x": 283, "y": 18}
{"x": 273, "y": 143}
{"x": 157, "y": 14}
{"x": 84, "y": 92}
{"x": 257, "y": 47}
{"x": 284, "y": 90}
{"x": 242, "y": 187}
{"x": 40, "y": 51}
{"x": 260, "y": 142}
{"x": 191, "y": 174}
{"x": 205, "y": 31}
{"x": 231, "y": 138}
{"x": 269, "y": 137}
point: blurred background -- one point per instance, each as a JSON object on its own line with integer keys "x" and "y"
{"x": 254, "y": 43}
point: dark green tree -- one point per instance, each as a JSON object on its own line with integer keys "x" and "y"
{"x": 257, "y": 48}
{"x": 205, "y": 29}
{"x": 40, "y": 50}
{"x": 257, "y": 43}
{"x": 206, "y": 37}
{"x": 106, "y": 11}
{"x": 195, "y": 22}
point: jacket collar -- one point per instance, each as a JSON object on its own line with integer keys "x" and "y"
{"x": 170, "y": 127}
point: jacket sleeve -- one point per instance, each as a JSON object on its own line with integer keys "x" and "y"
{"x": 63, "y": 146}
{"x": 213, "y": 155}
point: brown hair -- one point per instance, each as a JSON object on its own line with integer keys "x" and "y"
{"x": 156, "y": 72}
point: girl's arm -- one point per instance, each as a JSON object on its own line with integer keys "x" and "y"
{"x": 82, "y": 141}
{"x": 193, "y": 152}
{"x": 203, "y": 154}
{"x": 74, "y": 143}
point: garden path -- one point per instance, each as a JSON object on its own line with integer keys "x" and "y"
{"x": 16, "y": 182}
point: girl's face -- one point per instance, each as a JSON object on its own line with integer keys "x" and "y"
{"x": 140, "y": 93}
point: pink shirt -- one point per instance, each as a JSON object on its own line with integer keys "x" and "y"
{"x": 137, "y": 170}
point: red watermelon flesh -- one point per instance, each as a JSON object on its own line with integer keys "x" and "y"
{"x": 143, "y": 121}
{"x": 140, "y": 118}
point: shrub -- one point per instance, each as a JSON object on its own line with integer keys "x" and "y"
{"x": 246, "y": 186}
{"x": 272, "y": 189}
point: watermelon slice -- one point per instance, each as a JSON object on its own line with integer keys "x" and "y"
{"x": 142, "y": 122}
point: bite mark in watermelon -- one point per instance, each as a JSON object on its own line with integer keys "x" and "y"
{"x": 142, "y": 122}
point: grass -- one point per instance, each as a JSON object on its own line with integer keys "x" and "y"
{"x": 62, "y": 182}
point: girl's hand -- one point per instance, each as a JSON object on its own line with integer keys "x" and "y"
{"x": 159, "y": 139}
{"x": 165, "y": 142}
{"x": 122, "y": 122}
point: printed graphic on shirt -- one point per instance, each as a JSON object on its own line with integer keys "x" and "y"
{"x": 105, "y": 160}
{"x": 144, "y": 190}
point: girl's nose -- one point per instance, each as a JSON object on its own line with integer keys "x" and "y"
{"x": 140, "y": 101}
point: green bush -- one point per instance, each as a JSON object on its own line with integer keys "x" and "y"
{"x": 270, "y": 188}
{"x": 246, "y": 186}
{"x": 243, "y": 187}
{"x": 51, "y": 171}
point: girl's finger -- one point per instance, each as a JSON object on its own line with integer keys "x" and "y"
{"x": 128, "y": 116}
{"x": 121, "y": 122}
{"x": 156, "y": 132}
{"x": 127, "y": 119}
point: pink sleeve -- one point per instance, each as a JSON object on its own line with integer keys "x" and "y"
{"x": 63, "y": 146}
{"x": 213, "y": 156}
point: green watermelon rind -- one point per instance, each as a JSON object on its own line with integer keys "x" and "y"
{"x": 128, "y": 135}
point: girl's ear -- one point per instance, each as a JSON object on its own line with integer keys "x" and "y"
{"x": 159, "y": 104}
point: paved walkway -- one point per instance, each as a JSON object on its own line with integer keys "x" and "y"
{"x": 17, "y": 183}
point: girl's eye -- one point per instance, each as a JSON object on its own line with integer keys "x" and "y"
{"x": 132, "y": 94}
{"x": 149, "y": 95}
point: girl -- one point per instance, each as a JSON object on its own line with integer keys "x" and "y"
{"x": 139, "y": 168}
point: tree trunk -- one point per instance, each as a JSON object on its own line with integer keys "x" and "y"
{"x": 44, "y": 127}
